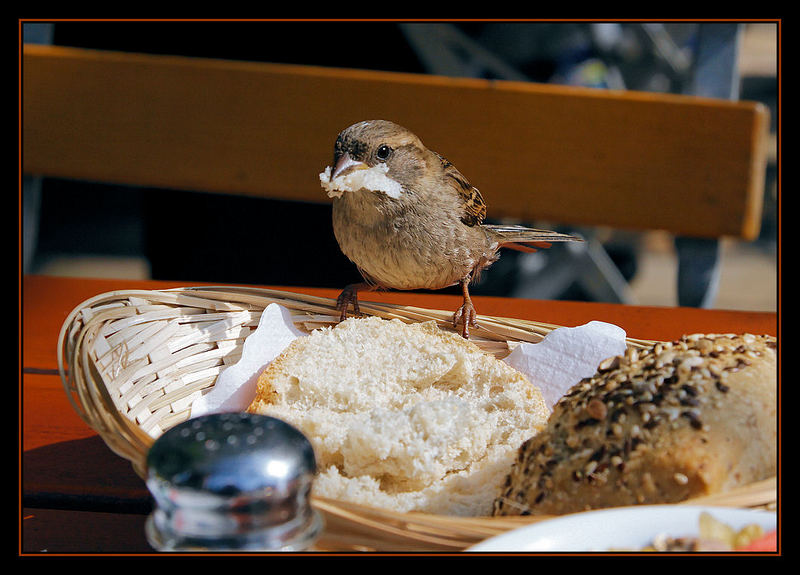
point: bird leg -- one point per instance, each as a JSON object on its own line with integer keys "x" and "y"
{"x": 466, "y": 313}
{"x": 349, "y": 296}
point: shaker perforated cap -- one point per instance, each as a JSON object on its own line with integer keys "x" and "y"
{"x": 232, "y": 481}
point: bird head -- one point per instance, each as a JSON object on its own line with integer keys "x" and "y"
{"x": 392, "y": 154}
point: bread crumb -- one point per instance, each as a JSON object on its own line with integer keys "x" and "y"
{"x": 374, "y": 179}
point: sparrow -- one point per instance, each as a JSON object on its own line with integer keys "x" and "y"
{"x": 409, "y": 220}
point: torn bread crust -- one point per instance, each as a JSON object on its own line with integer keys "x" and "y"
{"x": 403, "y": 416}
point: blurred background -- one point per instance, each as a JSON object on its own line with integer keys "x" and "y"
{"x": 89, "y": 229}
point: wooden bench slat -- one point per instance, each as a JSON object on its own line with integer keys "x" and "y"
{"x": 559, "y": 154}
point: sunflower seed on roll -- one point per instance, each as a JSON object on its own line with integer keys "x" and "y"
{"x": 681, "y": 419}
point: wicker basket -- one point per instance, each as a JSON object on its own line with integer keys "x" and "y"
{"x": 133, "y": 361}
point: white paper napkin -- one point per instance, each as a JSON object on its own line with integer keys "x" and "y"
{"x": 236, "y": 386}
{"x": 564, "y": 357}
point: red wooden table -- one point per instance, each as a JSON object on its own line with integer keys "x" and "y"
{"x": 78, "y": 497}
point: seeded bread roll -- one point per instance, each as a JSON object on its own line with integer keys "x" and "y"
{"x": 402, "y": 416}
{"x": 688, "y": 418}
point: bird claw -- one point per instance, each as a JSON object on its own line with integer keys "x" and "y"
{"x": 348, "y": 296}
{"x": 466, "y": 316}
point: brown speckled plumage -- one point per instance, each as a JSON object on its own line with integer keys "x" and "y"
{"x": 432, "y": 235}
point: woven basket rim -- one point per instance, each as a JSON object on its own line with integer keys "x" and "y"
{"x": 105, "y": 375}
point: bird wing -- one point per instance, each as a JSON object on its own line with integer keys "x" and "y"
{"x": 472, "y": 200}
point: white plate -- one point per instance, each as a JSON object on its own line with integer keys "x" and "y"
{"x": 622, "y": 528}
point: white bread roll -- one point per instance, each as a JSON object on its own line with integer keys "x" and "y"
{"x": 403, "y": 416}
{"x": 682, "y": 419}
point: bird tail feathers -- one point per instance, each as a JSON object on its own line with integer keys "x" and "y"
{"x": 527, "y": 239}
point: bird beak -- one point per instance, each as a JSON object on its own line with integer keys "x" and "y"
{"x": 345, "y": 164}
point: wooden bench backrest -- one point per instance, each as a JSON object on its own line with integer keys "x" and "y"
{"x": 558, "y": 154}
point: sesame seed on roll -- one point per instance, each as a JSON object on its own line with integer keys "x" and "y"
{"x": 678, "y": 420}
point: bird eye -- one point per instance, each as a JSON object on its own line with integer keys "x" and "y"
{"x": 383, "y": 153}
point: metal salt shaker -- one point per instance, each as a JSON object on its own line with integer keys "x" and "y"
{"x": 232, "y": 482}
